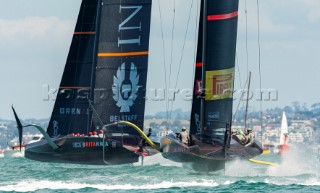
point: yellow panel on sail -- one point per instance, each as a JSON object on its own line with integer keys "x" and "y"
{"x": 219, "y": 84}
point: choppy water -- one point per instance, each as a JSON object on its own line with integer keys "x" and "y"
{"x": 296, "y": 173}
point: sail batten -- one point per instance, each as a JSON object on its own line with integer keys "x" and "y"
{"x": 222, "y": 16}
{"x": 199, "y": 64}
{"x": 84, "y": 33}
{"x": 121, "y": 54}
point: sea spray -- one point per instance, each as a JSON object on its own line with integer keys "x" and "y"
{"x": 296, "y": 161}
{"x": 240, "y": 176}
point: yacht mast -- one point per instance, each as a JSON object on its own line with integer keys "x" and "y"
{"x": 204, "y": 48}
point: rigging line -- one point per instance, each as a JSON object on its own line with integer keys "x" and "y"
{"x": 182, "y": 52}
{"x": 172, "y": 33}
{"x": 241, "y": 99}
{"x": 96, "y": 113}
{"x": 238, "y": 67}
{"x": 245, "y": 84}
{"x": 247, "y": 103}
{"x": 247, "y": 52}
{"x": 237, "y": 64}
{"x": 95, "y": 28}
{"x": 164, "y": 61}
{"x": 260, "y": 76}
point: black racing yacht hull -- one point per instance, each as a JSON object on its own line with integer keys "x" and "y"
{"x": 205, "y": 157}
{"x": 84, "y": 150}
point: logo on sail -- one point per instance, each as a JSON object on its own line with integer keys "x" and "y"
{"x": 198, "y": 87}
{"x": 124, "y": 89}
{"x": 213, "y": 116}
{"x": 219, "y": 84}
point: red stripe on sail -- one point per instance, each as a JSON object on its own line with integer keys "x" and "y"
{"x": 199, "y": 64}
{"x": 84, "y": 33}
{"x": 222, "y": 16}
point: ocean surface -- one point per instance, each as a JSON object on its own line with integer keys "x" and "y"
{"x": 297, "y": 172}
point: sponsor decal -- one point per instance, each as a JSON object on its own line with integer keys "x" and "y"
{"x": 213, "y": 116}
{"x": 73, "y": 111}
{"x": 130, "y": 118}
{"x": 76, "y": 145}
{"x": 219, "y": 84}
{"x": 178, "y": 149}
{"x": 125, "y": 25}
{"x": 88, "y": 144}
{"x": 198, "y": 87}
{"x": 124, "y": 89}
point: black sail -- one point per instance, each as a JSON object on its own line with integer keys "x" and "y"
{"x": 70, "y": 113}
{"x": 195, "y": 110}
{"x": 121, "y": 72}
{"x": 221, "y": 35}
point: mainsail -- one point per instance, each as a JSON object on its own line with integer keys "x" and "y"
{"x": 70, "y": 113}
{"x": 219, "y": 56}
{"x": 218, "y": 63}
{"x": 284, "y": 129}
{"x": 121, "y": 72}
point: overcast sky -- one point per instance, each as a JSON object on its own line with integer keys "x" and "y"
{"x": 35, "y": 36}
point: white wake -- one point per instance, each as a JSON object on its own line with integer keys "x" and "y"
{"x": 33, "y": 185}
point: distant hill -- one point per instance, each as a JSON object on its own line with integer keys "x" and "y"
{"x": 177, "y": 114}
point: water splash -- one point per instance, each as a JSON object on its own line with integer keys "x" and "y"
{"x": 242, "y": 168}
{"x": 156, "y": 159}
{"x": 33, "y": 185}
{"x": 298, "y": 160}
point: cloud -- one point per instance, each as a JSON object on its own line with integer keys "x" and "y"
{"x": 13, "y": 31}
{"x": 270, "y": 22}
{"x": 267, "y": 25}
{"x": 29, "y": 46}
{"x": 314, "y": 7}
{"x": 36, "y": 39}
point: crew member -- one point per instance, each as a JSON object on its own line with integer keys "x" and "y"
{"x": 184, "y": 136}
{"x": 143, "y": 141}
{"x": 148, "y": 135}
{"x": 239, "y": 134}
{"x": 249, "y": 138}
